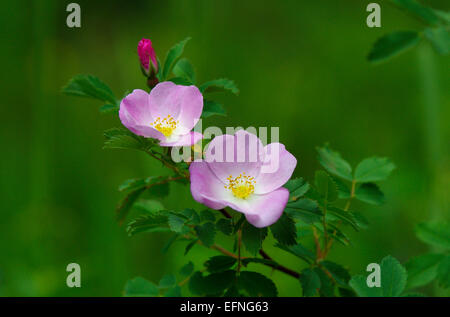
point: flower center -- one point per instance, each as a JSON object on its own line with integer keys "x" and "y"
{"x": 242, "y": 186}
{"x": 165, "y": 125}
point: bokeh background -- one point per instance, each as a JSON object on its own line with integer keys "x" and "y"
{"x": 300, "y": 65}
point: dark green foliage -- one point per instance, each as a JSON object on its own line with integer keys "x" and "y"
{"x": 225, "y": 226}
{"x": 253, "y": 237}
{"x": 213, "y": 284}
{"x": 370, "y": 193}
{"x": 211, "y": 108}
{"x": 256, "y": 285}
{"x": 89, "y": 86}
{"x": 219, "y": 263}
{"x": 391, "y": 45}
{"x": 310, "y": 282}
{"x": 284, "y": 230}
{"x": 140, "y": 287}
{"x": 173, "y": 55}
{"x": 206, "y": 233}
{"x": 434, "y": 233}
{"x": 222, "y": 84}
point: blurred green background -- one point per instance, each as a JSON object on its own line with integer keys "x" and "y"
{"x": 300, "y": 65}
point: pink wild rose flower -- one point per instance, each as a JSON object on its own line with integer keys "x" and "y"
{"x": 147, "y": 56}
{"x": 168, "y": 113}
{"x": 241, "y": 173}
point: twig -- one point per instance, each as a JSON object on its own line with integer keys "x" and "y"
{"x": 278, "y": 267}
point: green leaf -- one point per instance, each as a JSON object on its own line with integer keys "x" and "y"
{"x": 299, "y": 251}
{"x": 418, "y": 10}
{"x": 125, "y": 205}
{"x": 206, "y": 233}
{"x": 222, "y": 84}
{"x": 443, "y": 273}
{"x": 211, "y": 108}
{"x": 190, "y": 246}
{"x": 253, "y": 237}
{"x": 167, "y": 281}
{"x": 310, "y": 282}
{"x": 257, "y": 285}
{"x": 140, "y": 287}
{"x": 109, "y": 108}
{"x": 89, "y": 86}
{"x": 190, "y": 215}
{"x": 207, "y": 215}
{"x": 343, "y": 189}
{"x": 392, "y": 44}
{"x": 284, "y": 230}
{"x": 327, "y": 288}
{"x": 172, "y": 57}
{"x": 137, "y": 183}
{"x": 123, "y": 139}
{"x": 370, "y": 193}
{"x": 334, "y": 163}
{"x": 338, "y": 272}
{"x": 343, "y": 215}
{"x": 219, "y": 263}
{"x": 212, "y": 284}
{"x": 326, "y": 186}
{"x": 393, "y": 280}
{"x": 225, "y": 226}
{"x": 439, "y": 38}
{"x": 184, "y": 69}
{"x": 177, "y": 224}
{"x": 359, "y": 284}
{"x": 393, "y": 277}
{"x": 148, "y": 206}
{"x": 187, "y": 269}
{"x": 335, "y": 233}
{"x": 305, "y": 209}
{"x": 148, "y": 223}
{"x": 169, "y": 243}
{"x": 422, "y": 269}
{"x": 437, "y": 234}
{"x": 136, "y": 187}
{"x": 297, "y": 188}
{"x": 374, "y": 169}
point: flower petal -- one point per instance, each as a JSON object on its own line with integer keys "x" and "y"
{"x": 191, "y": 107}
{"x": 269, "y": 208}
{"x": 134, "y": 109}
{"x": 165, "y": 99}
{"x": 205, "y": 186}
{"x": 183, "y": 103}
{"x": 233, "y": 155}
{"x": 183, "y": 140}
{"x": 277, "y": 169}
{"x": 134, "y": 113}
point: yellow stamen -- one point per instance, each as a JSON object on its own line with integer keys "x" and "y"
{"x": 241, "y": 186}
{"x": 166, "y": 126}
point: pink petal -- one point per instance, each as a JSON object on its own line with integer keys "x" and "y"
{"x": 233, "y": 155}
{"x": 205, "y": 186}
{"x": 134, "y": 113}
{"x": 191, "y": 107}
{"x": 183, "y": 103}
{"x": 268, "y": 207}
{"x": 277, "y": 169}
{"x": 183, "y": 140}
